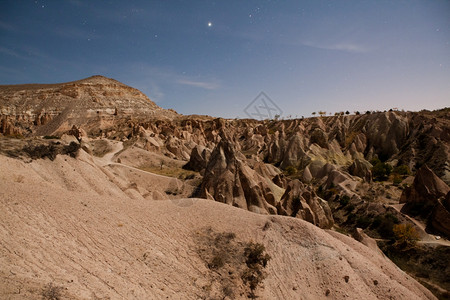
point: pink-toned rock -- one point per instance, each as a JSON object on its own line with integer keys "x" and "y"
{"x": 199, "y": 159}
{"x": 362, "y": 169}
{"x": 432, "y": 194}
{"x": 302, "y": 202}
{"x": 229, "y": 180}
{"x": 440, "y": 218}
{"x": 427, "y": 188}
{"x": 362, "y": 237}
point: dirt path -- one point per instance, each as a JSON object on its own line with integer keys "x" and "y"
{"x": 108, "y": 157}
{"x": 108, "y": 160}
{"x": 426, "y": 238}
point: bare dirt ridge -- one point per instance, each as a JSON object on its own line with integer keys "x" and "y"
{"x": 94, "y": 244}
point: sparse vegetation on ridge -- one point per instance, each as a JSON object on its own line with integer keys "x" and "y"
{"x": 237, "y": 267}
{"x": 52, "y": 292}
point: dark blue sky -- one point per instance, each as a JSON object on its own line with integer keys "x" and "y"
{"x": 305, "y": 55}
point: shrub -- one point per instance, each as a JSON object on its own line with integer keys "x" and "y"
{"x": 51, "y": 292}
{"x": 385, "y": 229}
{"x": 221, "y": 249}
{"x": 405, "y": 235}
{"x": 351, "y": 218}
{"x": 344, "y": 200}
{"x": 402, "y": 170}
{"x": 290, "y": 170}
{"x": 381, "y": 171}
{"x": 376, "y": 222}
{"x": 218, "y": 261}
{"x": 256, "y": 260}
{"x": 51, "y": 150}
{"x": 375, "y": 161}
{"x": 397, "y": 179}
{"x": 363, "y": 222}
{"x": 255, "y": 255}
{"x": 350, "y": 208}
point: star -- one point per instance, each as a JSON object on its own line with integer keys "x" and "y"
{"x": 210, "y": 24}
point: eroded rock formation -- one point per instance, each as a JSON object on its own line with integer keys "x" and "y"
{"x": 429, "y": 195}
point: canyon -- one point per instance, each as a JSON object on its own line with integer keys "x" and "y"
{"x": 107, "y": 195}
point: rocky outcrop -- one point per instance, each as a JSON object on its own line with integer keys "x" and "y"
{"x": 295, "y": 153}
{"x": 302, "y": 202}
{"x": 229, "y": 180}
{"x": 426, "y": 189}
{"x": 77, "y": 132}
{"x": 362, "y": 237}
{"x": 361, "y": 168}
{"x": 431, "y": 196}
{"x": 198, "y": 159}
{"x": 440, "y": 218}
{"x": 386, "y": 132}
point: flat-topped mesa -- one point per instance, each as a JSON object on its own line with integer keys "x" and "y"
{"x": 95, "y": 102}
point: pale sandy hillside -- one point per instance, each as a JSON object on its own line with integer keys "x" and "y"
{"x": 67, "y": 222}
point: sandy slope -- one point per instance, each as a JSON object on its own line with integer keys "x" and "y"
{"x": 68, "y": 223}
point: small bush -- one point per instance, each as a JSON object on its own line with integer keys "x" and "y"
{"x": 344, "y": 200}
{"x": 397, "y": 179}
{"x": 405, "y": 235}
{"x": 221, "y": 250}
{"x": 218, "y": 261}
{"x": 236, "y": 267}
{"x": 227, "y": 291}
{"x": 350, "y": 208}
{"x": 385, "y": 229}
{"x": 255, "y": 255}
{"x": 375, "y": 161}
{"x": 376, "y": 222}
{"x": 363, "y": 222}
{"x": 256, "y": 260}
{"x": 51, "y": 292}
{"x": 402, "y": 170}
{"x": 351, "y": 218}
{"x": 290, "y": 171}
{"x": 381, "y": 171}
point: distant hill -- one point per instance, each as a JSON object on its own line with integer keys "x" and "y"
{"x": 94, "y": 102}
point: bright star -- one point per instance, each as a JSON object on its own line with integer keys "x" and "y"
{"x": 209, "y": 24}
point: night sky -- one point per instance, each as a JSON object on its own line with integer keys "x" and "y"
{"x": 215, "y": 57}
